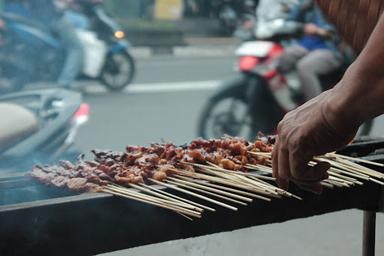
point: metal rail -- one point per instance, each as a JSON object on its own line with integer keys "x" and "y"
{"x": 369, "y": 233}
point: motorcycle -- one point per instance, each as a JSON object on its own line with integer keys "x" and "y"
{"x": 232, "y": 12}
{"x": 259, "y": 96}
{"x": 39, "y": 127}
{"x": 107, "y": 56}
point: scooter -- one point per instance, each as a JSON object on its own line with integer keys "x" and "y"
{"x": 31, "y": 53}
{"x": 259, "y": 96}
{"x": 232, "y": 12}
{"x": 39, "y": 127}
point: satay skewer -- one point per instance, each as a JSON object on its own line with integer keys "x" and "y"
{"x": 193, "y": 187}
{"x": 355, "y": 159}
{"x": 237, "y": 191}
{"x": 183, "y": 204}
{"x": 278, "y": 190}
{"x": 147, "y": 197}
{"x": 232, "y": 183}
{"x": 348, "y": 165}
{"x": 149, "y": 201}
{"x": 194, "y": 194}
{"x": 243, "y": 181}
{"x": 355, "y": 181}
{"x": 354, "y": 174}
{"x": 218, "y": 168}
{"x": 259, "y": 167}
{"x": 327, "y": 185}
{"x": 179, "y": 198}
{"x": 246, "y": 199}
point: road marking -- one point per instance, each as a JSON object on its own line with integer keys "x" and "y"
{"x": 160, "y": 87}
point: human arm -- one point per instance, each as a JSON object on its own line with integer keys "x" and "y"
{"x": 319, "y": 26}
{"x": 331, "y": 120}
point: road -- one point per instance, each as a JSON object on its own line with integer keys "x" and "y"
{"x": 164, "y": 104}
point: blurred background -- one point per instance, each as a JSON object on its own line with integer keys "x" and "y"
{"x": 105, "y": 74}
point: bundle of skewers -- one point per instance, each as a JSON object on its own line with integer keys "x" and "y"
{"x": 227, "y": 172}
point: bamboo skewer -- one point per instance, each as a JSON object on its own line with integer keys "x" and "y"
{"x": 224, "y": 182}
{"x": 147, "y": 197}
{"x": 355, "y": 159}
{"x": 144, "y": 200}
{"x": 181, "y": 203}
{"x": 218, "y": 168}
{"x": 236, "y": 183}
{"x": 353, "y": 180}
{"x": 327, "y": 185}
{"x": 191, "y": 187}
{"x": 195, "y": 194}
{"x": 180, "y": 198}
{"x": 241, "y": 192}
{"x": 350, "y": 173}
{"x": 214, "y": 190}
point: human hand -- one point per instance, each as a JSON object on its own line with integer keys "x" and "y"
{"x": 313, "y": 129}
{"x": 310, "y": 29}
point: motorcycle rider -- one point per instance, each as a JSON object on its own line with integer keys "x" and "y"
{"x": 316, "y": 52}
{"x": 268, "y": 10}
{"x": 51, "y": 12}
{"x": 19, "y": 7}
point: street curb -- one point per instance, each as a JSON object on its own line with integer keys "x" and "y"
{"x": 184, "y": 51}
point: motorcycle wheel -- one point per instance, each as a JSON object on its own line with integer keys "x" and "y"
{"x": 118, "y": 71}
{"x": 228, "y": 113}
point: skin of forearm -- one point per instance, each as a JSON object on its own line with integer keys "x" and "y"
{"x": 360, "y": 94}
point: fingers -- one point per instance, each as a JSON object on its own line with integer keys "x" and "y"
{"x": 300, "y": 170}
{"x": 275, "y": 161}
{"x": 284, "y": 171}
{"x": 314, "y": 175}
{"x": 287, "y": 165}
{"x": 314, "y": 187}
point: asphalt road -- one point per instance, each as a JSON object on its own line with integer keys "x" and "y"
{"x": 164, "y": 104}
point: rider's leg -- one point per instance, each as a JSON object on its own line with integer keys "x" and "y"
{"x": 290, "y": 57}
{"x": 74, "y": 50}
{"x": 318, "y": 62}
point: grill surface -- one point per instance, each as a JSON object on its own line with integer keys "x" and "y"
{"x": 85, "y": 224}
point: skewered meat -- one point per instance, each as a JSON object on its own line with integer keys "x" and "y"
{"x": 158, "y": 161}
{"x": 76, "y": 184}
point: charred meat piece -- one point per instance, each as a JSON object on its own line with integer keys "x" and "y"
{"x": 59, "y": 181}
{"x": 77, "y": 184}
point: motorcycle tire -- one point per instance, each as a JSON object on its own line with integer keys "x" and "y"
{"x": 229, "y": 122}
{"x": 113, "y": 68}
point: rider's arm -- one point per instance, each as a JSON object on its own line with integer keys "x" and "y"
{"x": 325, "y": 29}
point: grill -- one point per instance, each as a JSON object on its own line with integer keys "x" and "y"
{"x": 35, "y": 219}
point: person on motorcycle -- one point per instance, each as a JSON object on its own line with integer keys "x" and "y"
{"x": 51, "y": 12}
{"x": 19, "y": 7}
{"x": 316, "y": 52}
{"x": 268, "y": 10}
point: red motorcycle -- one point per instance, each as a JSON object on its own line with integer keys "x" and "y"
{"x": 258, "y": 98}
